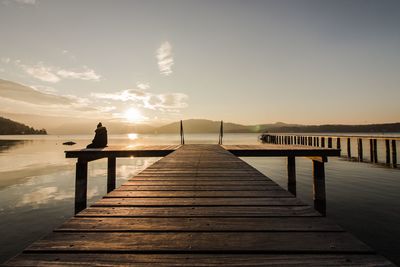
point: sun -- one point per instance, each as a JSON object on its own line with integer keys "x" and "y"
{"x": 133, "y": 115}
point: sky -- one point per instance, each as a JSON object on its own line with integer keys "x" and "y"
{"x": 293, "y": 61}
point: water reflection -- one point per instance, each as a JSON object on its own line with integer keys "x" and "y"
{"x": 8, "y": 144}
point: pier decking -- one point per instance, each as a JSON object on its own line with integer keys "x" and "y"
{"x": 200, "y": 206}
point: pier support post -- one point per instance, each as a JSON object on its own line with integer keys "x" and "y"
{"x": 360, "y": 149}
{"x": 338, "y": 145}
{"x": 319, "y": 193}
{"x": 394, "y": 154}
{"x": 111, "y": 174}
{"x": 387, "y": 145}
{"x": 291, "y": 168}
{"x": 81, "y": 185}
{"x": 322, "y": 141}
{"x": 349, "y": 148}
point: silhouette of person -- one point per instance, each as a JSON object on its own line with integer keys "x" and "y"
{"x": 100, "y": 138}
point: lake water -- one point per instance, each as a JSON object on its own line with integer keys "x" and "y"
{"x": 37, "y": 187}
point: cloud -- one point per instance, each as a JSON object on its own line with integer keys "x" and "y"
{"x": 54, "y": 74}
{"x": 22, "y": 93}
{"x": 165, "y": 59}
{"x": 5, "y": 60}
{"x": 42, "y": 73}
{"x": 143, "y": 85}
{"x": 87, "y": 74}
{"x": 28, "y": 2}
{"x": 145, "y": 99}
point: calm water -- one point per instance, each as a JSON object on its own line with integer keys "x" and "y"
{"x": 37, "y": 187}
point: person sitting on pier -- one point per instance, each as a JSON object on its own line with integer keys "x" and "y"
{"x": 100, "y": 138}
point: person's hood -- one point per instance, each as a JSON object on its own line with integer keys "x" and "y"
{"x": 101, "y": 129}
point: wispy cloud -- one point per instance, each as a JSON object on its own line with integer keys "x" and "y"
{"x": 41, "y": 72}
{"x": 85, "y": 74}
{"x": 165, "y": 58}
{"x": 28, "y": 2}
{"x": 148, "y": 100}
{"x": 54, "y": 74}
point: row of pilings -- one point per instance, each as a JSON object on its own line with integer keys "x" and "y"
{"x": 354, "y": 146}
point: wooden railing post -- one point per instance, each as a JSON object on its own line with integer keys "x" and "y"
{"x": 81, "y": 185}
{"x": 394, "y": 154}
{"x": 319, "y": 192}
{"x": 291, "y": 168}
{"x": 360, "y": 149}
{"x": 322, "y": 141}
{"x": 182, "y": 134}
{"x": 111, "y": 174}
{"x": 387, "y": 145}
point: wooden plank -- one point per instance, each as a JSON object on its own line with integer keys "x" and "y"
{"x": 211, "y": 211}
{"x": 327, "y": 242}
{"x": 198, "y": 187}
{"x": 198, "y": 183}
{"x": 190, "y": 259}
{"x": 278, "y": 192}
{"x": 199, "y": 224}
{"x": 261, "y": 201}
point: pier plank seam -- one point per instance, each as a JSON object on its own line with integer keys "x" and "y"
{"x": 215, "y": 228}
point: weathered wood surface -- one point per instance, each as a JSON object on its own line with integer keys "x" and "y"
{"x": 199, "y": 206}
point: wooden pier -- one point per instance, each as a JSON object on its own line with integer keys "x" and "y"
{"x": 200, "y": 205}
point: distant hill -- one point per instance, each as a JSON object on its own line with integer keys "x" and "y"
{"x": 12, "y": 127}
{"x": 208, "y": 126}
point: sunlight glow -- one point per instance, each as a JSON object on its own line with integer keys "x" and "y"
{"x": 134, "y": 115}
{"x": 132, "y": 136}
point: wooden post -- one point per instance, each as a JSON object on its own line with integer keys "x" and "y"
{"x": 291, "y": 168}
{"x": 360, "y": 149}
{"x": 387, "y": 145}
{"x": 182, "y": 134}
{"x": 319, "y": 193}
{"x": 318, "y": 141}
{"x": 338, "y": 145}
{"x": 349, "y": 148}
{"x": 322, "y": 141}
{"x": 394, "y": 154}
{"x": 375, "y": 146}
{"x": 329, "y": 142}
{"x": 111, "y": 174}
{"x": 81, "y": 185}
{"x": 371, "y": 149}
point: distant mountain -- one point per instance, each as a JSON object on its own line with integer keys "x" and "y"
{"x": 208, "y": 126}
{"x": 12, "y": 127}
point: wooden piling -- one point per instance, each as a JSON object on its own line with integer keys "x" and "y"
{"x": 371, "y": 149}
{"x": 375, "y": 150}
{"x": 319, "y": 193}
{"x": 387, "y": 145}
{"x": 291, "y": 168}
{"x": 349, "y": 148}
{"x": 322, "y": 141}
{"x": 394, "y": 154}
{"x": 81, "y": 185}
{"x": 360, "y": 149}
{"x": 329, "y": 142}
{"x": 111, "y": 174}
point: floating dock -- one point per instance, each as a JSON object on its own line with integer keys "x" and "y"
{"x": 200, "y": 205}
